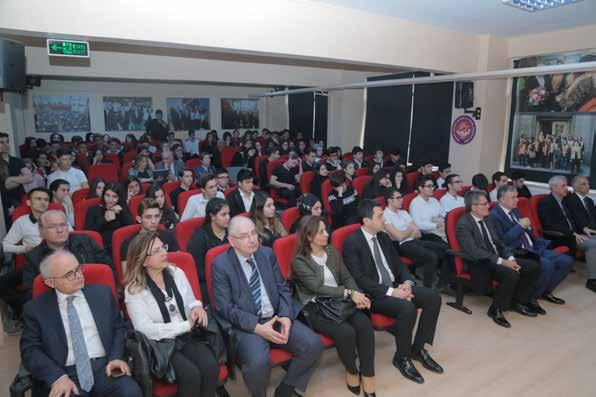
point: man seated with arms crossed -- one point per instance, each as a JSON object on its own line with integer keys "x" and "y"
{"x": 53, "y": 229}
{"x": 451, "y": 199}
{"x": 558, "y": 225}
{"x": 499, "y": 179}
{"x": 374, "y": 263}
{"x": 195, "y": 207}
{"x": 426, "y": 211}
{"x": 516, "y": 232}
{"x": 73, "y": 339}
{"x": 488, "y": 258}
{"x": 242, "y": 199}
{"x": 285, "y": 178}
{"x": 252, "y": 295}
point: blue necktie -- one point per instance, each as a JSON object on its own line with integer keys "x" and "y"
{"x": 525, "y": 240}
{"x": 255, "y": 285}
{"x": 79, "y": 347}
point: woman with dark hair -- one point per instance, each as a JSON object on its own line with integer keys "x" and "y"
{"x": 321, "y": 175}
{"x": 98, "y": 157}
{"x": 133, "y": 187}
{"x": 399, "y": 181}
{"x": 169, "y": 218}
{"x": 141, "y": 169}
{"x": 378, "y": 185}
{"x": 96, "y": 189}
{"x": 161, "y": 305}
{"x": 373, "y": 167}
{"x": 56, "y": 138}
{"x": 130, "y": 142}
{"x": 30, "y": 149}
{"x": 479, "y": 182}
{"x": 350, "y": 170}
{"x": 227, "y": 138}
{"x": 267, "y": 224}
{"x": 318, "y": 271}
{"x": 343, "y": 200}
{"x": 89, "y": 137}
{"x": 112, "y": 213}
{"x": 308, "y": 204}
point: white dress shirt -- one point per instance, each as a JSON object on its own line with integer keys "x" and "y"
{"x": 246, "y": 200}
{"x": 399, "y": 220}
{"x": 449, "y": 202}
{"x": 493, "y": 194}
{"x": 146, "y": 317}
{"x": 328, "y": 278}
{"x": 191, "y": 146}
{"x": 73, "y": 176}
{"x": 95, "y": 348}
{"x": 369, "y": 238}
{"x": 195, "y": 206}
{"x": 22, "y": 230}
{"x": 425, "y": 213}
{"x": 266, "y": 306}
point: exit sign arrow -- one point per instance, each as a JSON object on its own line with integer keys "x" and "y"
{"x": 68, "y": 48}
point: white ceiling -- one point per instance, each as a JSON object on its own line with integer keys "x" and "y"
{"x": 478, "y": 16}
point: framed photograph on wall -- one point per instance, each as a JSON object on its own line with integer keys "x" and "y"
{"x": 126, "y": 113}
{"x": 188, "y": 114}
{"x": 239, "y": 113}
{"x": 61, "y": 113}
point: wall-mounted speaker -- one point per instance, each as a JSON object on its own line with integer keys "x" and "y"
{"x": 464, "y": 94}
{"x": 12, "y": 66}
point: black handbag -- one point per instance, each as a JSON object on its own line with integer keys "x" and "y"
{"x": 335, "y": 309}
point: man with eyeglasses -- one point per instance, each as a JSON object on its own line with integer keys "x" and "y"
{"x": 426, "y": 211}
{"x": 451, "y": 199}
{"x": 251, "y": 294}
{"x": 488, "y": 258}
{"x": 53, "y": 228}
{"x": 73, "y": 340}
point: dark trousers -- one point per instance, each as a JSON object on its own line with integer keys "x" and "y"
{"x": 513, "y": 285}
{"x": 104, "y": 385}
{"x": 554, "y": 267}
{"x": 290, "y": 195}
{"x": 252, "y": 352}
{"x": 9, "y": 292}
{"x": 428, "y": 255}
{"x": 196, "y": 370}
{"x": 406, "y": 312}
{"x": 353, "y": 338}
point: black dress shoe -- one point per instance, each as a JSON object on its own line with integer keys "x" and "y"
{"x": 498, "y": 317}
{"x": 427, "y": 361}
{"x": 285, "y": 390}
{"x": 591, "y": 284}
{"x": 553, "y": 299}
{"x": 407, "y": 369}
{"x": 523, "y": 310}
{"x": 354, "y": 389}
{"x": 536, "y": 308}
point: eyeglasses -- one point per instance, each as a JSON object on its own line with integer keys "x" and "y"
{"x": 429, "y": 186}
{"x": 71, "y": 275}
{"x": 244, "y": 236}
{"x": 157, "y": 250}
{"x": 485, "y": 203}
{"x": 58, "y": 226}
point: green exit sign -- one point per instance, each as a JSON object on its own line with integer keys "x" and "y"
{"x": 68, "y": 48}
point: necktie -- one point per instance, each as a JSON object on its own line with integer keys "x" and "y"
{"x": 486, "y": 238}
{"x": 525, "y": 241}
{"x": 587, "y": 205}
{"x": 255, "y": 285}
{"x": 82, "y": 362}
{"x": 385, "y": 277}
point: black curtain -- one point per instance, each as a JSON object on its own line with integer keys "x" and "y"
{"x": 300, "y": 108}
{"x": 320, "y": 118}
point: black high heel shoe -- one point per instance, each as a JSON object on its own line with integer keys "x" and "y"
{"x": 355, "y": 389}
{"x": 369, "y": 394}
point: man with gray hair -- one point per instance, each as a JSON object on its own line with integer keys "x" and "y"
{"x": 516, "y": 232}
{"x": 73, "y": 338}
{"x": 488, "y": 258}
{"x": 53, "y": 228}
{"x": 560, "y": 227}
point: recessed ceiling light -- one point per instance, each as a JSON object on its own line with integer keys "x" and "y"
{"x": 538, "y": 5}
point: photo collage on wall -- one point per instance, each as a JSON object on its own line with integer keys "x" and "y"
{"x": 239, "y": 113}
{"x": 553, "y": 121}
{"x": 60, "y": 113}
{"x": 126, "y": 113}
{"x": 188, "y": 114}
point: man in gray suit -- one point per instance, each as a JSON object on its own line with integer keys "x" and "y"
{"x": 251, "y": 294}
{"x": 488, "y": 258}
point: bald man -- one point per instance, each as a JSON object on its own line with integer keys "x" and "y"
{"x": 73, "y": 339}
{"x": 253, "y": 296}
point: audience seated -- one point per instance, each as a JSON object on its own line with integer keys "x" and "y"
{"x": 479, "y": 183}
{"x": 285, "y": 178}
{"x": 168, "y": 162}
{"x": 73, "y": 339}
{"x": 195, "y": 207}
{"x": 308, "y": 204}
{"x": 24, "y": 235}
{"x": 223, "y": 179}
{"x": 378, "y": 185}
{"x": 519, "y": 181}
{"x": 426, "y": 211}
{"x": 395, "y": 159}
{"x": 242, "y": 199}
{"x": 350, "y": 170}
{"x": 267, "y": 223}
{"x": 141, "y": 169}
{"x": 262, "y": 315}
{"x": 157, "y": 128}
{"x": 309, "y": 161}
{"x": 205, "y": 168}
{"x": 273, "y": 155}
{"x": 60, "y": 194}
{"x": 244, "y": 157}
{"x": 516, "y": 232}
{"x": 343, "y": 200}
{"x": 169, "y": 217}
{"x": 489, "y": 258}
{"x": 111, "y": 213}
{"x": 187, "y": 180}
{"x": 161, "y": 305}
{"x": 444, "y": 170}
{"x": 75, "y": 177}
{"x": 214, "y": 232}
{"x": 374, "y": 263}
{"x": 452, "y": 199}
{"x": 399, "y": 181}
{"x": 133, "y": 187}
{"x": 498, "y": 179}
{"x": 333, "y": 159}
{"x": 378, "y": 159}
{"x": 425, "y": 168}
{"x": 191, "y": 144}
{"x": 321, "y": 175}
{"x": 358, "y": 157}
{"x": 319, "y": 275}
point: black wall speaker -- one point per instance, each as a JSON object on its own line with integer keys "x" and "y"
{"x": 464, "y": 94}
{"x": 12, "y": 66}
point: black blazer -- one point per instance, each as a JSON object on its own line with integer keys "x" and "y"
{"x": 552, "y": 216}
{"x": 361, "y": 264}
{"x": 236, "y": 204}
{"x": 43, "y": 343}
{"x": 580, "y": 216}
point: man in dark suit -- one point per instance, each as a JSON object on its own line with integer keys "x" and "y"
{"x": 516, "y": 232}
{"x": 580, "y": 208}
{"x": 242, "y": 199}
{"x": 374, "y": 263}
{"x": 519, "y": 181}
{"x": 252, "y": 295}
{"x": 488, "y": 258}
{"x": 73, "y": 339}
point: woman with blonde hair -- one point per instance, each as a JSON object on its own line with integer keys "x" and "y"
{"x": 266, "y": 222}
{"x": 161, "y": 305}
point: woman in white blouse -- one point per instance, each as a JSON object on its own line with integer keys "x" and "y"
{"x": 161, "y": 304}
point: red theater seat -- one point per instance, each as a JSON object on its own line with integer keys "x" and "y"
{"x": 405, "y": 204}
{"x": 305, "y": 181}
{"x": 90, "y": 233}
{"x": 185, "y": 231}
{"x": 109, "y": 172}
{"x": 360, "y": 182}
{"x": 183, "y": 199}
{"x": 289, "y": 216}
{"x": 94, "y": 273}
{"x": 80, "y": 211}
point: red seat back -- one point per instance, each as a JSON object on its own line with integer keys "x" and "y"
{"x": 360, "y": 182}
{"x": 229, "y": 190}
{"x": 289, "y": 216}
{"x": 257, "y": 169}
{"x": 361, "y": 171}
{"x": 285, "y": 250}
{"x": 411, "y": 179}
{"x": 91, "y": 233}
{"x": 129, "y": 156}
{"x": 305, "y": 180}
{"x": 347, "y": 156}
{"x": 325, "y": 190}
{"x": 209, "y": 259}
{"x": 405, "y": 204}
{"x": 490, "y": 187}
{"x": 133, "y": 205}
{"x": 185, "y": 261}
{"x": 464, "y": 190}
{"x": 273, "y": 192}
{"x": 94, "y": 273}
{"x": 113, "y": 158}
{"x": 340, "y": 235}
{"x": 272, "y": 165}
{"x": 439, "y": 193}
{"x": 183, "y": 199}
{"x": 79, "y": 195}
{"x": 452, "y": 219}
{"x": 381, "y": 200}
{"x": 534, "y": 217}
{"x": 124, "y": 171}
{"x": 192, "y": 163}
{"x": 523, "y": 206}
{"x": 185, "y": 230}
{"x": 25, "y": 210}
{"x": 227, "y": 154}
{"x": 109, "y": 172}
{"x": 80, "y": 211}
{"x": 119, "y": 236}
